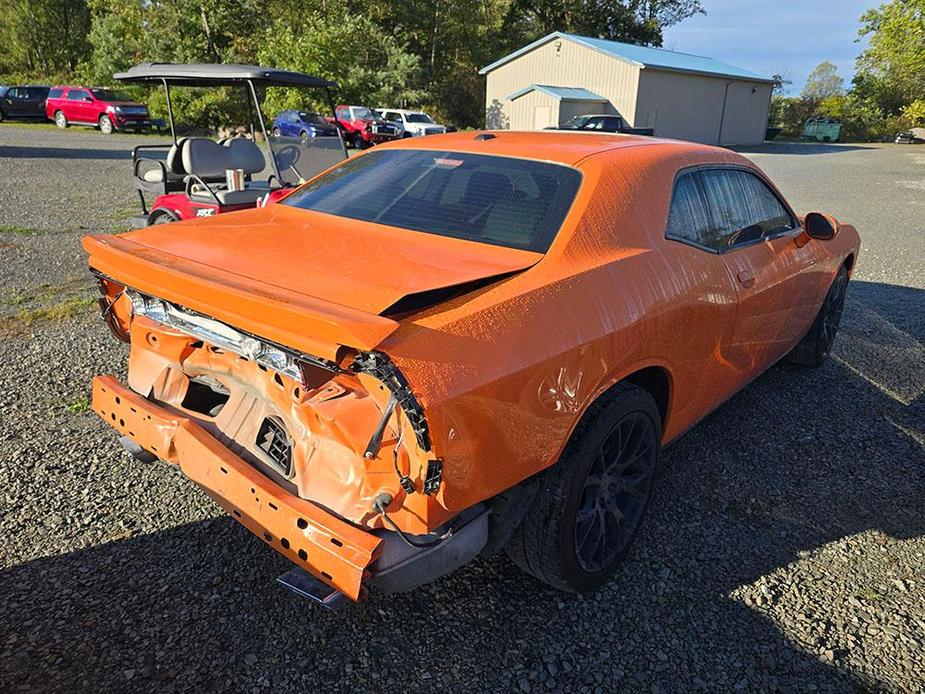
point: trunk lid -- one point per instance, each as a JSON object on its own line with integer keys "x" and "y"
{"x": 296, "y": 276}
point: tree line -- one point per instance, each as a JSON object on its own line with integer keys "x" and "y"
{"x": 386, "y": 53}
{"x": 887, "y": 93}
{"x": 417, "y": 54}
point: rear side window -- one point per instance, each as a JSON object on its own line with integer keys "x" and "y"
{"x": 720, "y": 209}
{"x": 77, "y": 95}
{"x": 516, "y": 203}
{"x": 689, "y": 219}
{"x": 55, "y": 93}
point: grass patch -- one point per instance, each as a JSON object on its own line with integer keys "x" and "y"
{"x": 870, "y": 595}
{"x": 16, "y": 229}
{"x": 68, "y": 308}
{"x": 31, "y": 125}
{"x": 79, "y": 406}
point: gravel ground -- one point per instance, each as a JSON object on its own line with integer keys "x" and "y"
{"x": 784, "y": 549}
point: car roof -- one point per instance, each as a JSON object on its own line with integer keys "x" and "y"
{"x": 559, "y": 146}
{"x": 213, "y": 74}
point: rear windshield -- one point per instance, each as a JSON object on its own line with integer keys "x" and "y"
{"x": 498, "y": 200}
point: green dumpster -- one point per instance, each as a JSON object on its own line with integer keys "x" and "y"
{"x": 821, "y": 129}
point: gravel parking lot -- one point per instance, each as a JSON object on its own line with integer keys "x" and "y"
{"x": 784, "y": 550}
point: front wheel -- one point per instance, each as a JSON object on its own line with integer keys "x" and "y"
{"x": 817, "y": 343}
{"x": 592, "y": 502}
{"x": 275, "y": 132}
{"x": 60, "y": 119}
{"x": 106, "y": 125}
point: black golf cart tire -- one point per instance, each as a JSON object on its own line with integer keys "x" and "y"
{"x": 275, "y": 132}
{"x": 813, "y": 348}
{"x": 541, "y": 546}
{"x": 61, "y": 120}
{"x": 161, "y": 216}
{"x": 106, "y": 119}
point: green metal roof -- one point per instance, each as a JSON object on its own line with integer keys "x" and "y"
{"x": 642, "y": 56}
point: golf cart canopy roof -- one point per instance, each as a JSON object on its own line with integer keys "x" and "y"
{"x": 213, "y": 74}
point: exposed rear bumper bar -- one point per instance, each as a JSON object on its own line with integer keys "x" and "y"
{"x": 329, "y": 548}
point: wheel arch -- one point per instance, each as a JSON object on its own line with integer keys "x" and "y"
{"x": 653, "y": 377}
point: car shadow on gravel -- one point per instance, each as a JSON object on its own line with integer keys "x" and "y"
{"x": 67, "y": 153}
{"x": 799, "y": 148}
{"x": 799, "y": 460}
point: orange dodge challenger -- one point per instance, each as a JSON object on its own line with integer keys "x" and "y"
{"x": 462, "y": 343}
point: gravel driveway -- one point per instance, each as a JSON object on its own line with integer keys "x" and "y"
{"x": 784, "y": 550}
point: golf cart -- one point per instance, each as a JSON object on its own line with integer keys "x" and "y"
{"x": 201, "y": 177}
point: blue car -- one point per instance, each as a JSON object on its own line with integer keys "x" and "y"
{"x": 304, "y": 124}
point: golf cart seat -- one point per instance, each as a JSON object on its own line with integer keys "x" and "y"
{"x": 206, "y": 160}
{"x": 159, "y": 177}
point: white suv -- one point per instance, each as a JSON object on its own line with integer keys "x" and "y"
{"x": 413, "y": 123}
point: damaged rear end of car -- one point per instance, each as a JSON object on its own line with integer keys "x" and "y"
{"x": 284, "y": 411}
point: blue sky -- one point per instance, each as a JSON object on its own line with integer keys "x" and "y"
{"x": 784, "y": 36}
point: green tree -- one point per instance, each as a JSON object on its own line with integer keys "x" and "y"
{"x": 891, "y": 70}
{"x": 44, "y": 38}
{"x": 823, "y": 82}
{"x": 369, "y": 64}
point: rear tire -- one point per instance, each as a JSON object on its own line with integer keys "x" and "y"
{"x": 811, "y": 351}
{"x": 105, "y": 125}
{"x": 591, "y": 503}
{"x": 161, "y": 217}
{"x": 60, "y": 120}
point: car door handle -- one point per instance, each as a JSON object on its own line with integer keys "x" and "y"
{"x": 746, "y": 278}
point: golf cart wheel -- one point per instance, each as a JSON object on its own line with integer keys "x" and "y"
{"x": 60, "y": 120}
{"x": 106, "y": 125}
{"x": 161, "y": 217}
{"x": 591, "y": 503}
{"x": 817, "y": 343}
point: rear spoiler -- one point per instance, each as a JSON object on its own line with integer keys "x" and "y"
{"x": 295, "y": 320}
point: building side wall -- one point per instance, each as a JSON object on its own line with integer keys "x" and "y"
{"x": 559, "y": 63}
{"x": 686, "y": 106}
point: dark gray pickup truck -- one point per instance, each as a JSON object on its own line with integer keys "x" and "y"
{"x": 602, "y": 124}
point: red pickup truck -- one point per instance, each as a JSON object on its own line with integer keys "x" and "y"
{"x": 362, "y": 128}
{"x": 100, "y": 108}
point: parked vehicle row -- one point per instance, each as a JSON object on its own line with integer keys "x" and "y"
{"x": 111, "y": 110}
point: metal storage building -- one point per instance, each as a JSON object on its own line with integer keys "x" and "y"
{"x": 683, "y": 96}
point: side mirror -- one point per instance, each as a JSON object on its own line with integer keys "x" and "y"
{"x": 819, "y": 226}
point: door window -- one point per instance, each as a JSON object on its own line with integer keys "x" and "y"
{"x": 78, "y": 95}
{"x": 720, "y": 209}
{"x": 743, "y": 208}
